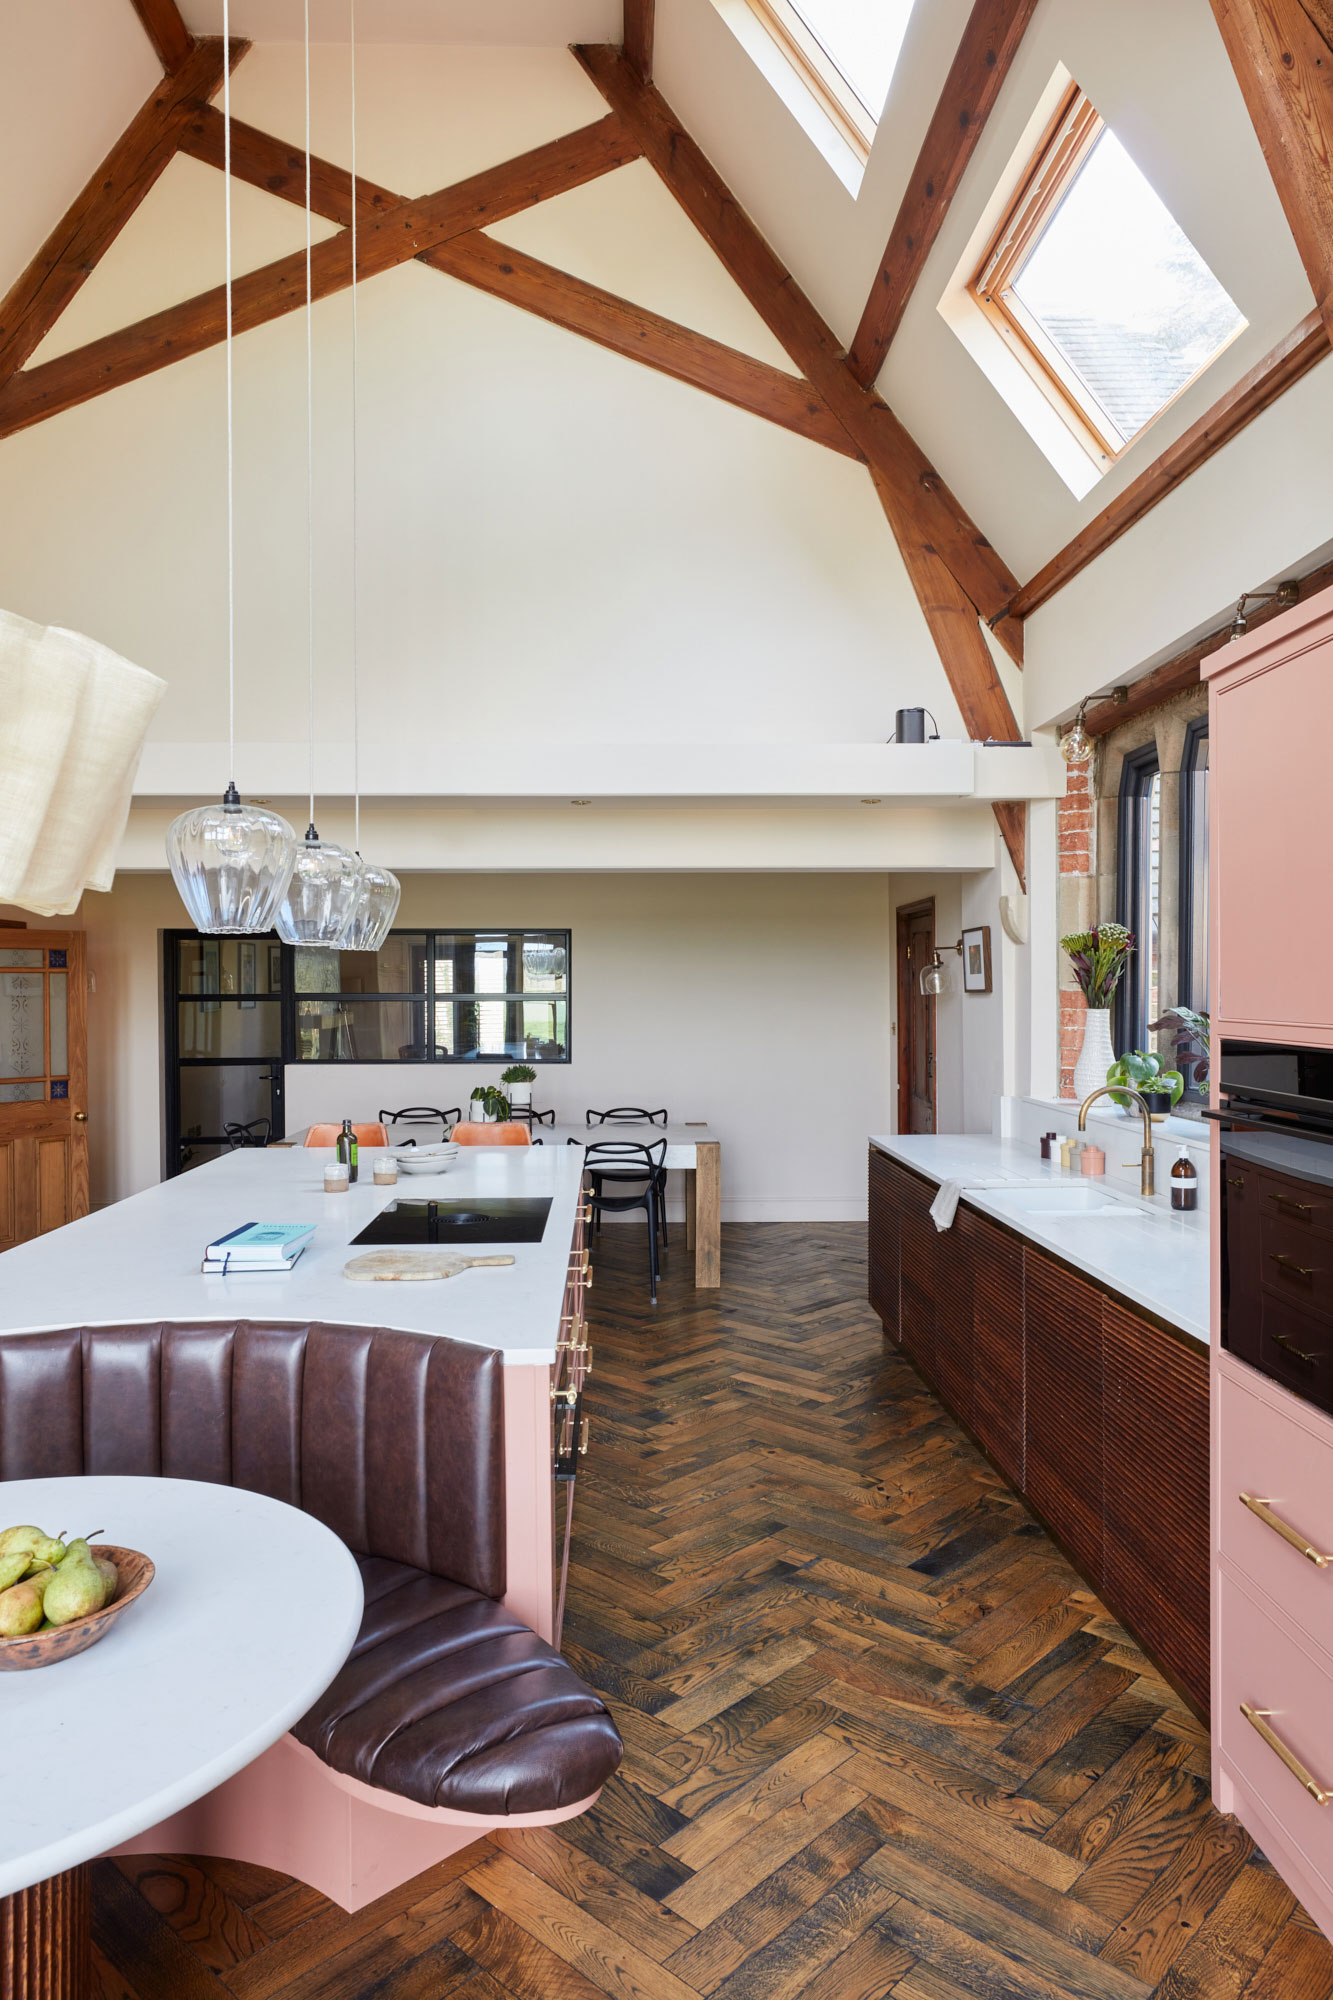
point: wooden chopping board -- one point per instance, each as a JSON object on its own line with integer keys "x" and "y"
{"x": 418, "y": 1264}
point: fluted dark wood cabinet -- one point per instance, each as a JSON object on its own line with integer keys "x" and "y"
{"x": 1096, "y": 1415}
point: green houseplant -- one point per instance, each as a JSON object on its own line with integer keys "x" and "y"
{"x": 490, "y": 1105}
{"x": 519, "y": 1078}
{"x": 1191, "y": 1035}
{"x": 1145, "y": 1071}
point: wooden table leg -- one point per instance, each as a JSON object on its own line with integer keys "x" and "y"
{"x": 708, "y": 1215}
{"x": 690, "y": 1179}
{"x": 44, "y": 1940}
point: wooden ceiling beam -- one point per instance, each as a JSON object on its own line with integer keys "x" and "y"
{"x": 260, "y": 296}
{"x": 91, "y": 225}
{"x": 989, "y": 44}
{"x": 553, "y": 295}
{"x": 1284, "y": 67}
{"x": 1182, "y": 671}
{"x": 171, "y": 39}
{"x": 643, "y": 336}
{"x": 1305, "y": 346}
{"x": 638, "y": 37}
{"x": 925, "y": 507}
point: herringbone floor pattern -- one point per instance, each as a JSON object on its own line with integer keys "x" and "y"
{"x": 880, "y": 1739}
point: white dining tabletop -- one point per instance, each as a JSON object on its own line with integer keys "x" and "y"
{"x": 683, "y": 1141}
{"x": 253, "y": 1610}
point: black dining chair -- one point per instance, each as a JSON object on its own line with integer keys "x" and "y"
{"x": 626, "y": 1114}
{"x": 418, "y": 1114}
{"x": 525, "y": 1115}
{"x": 258, "y": 1132}
{"x": 638, "y": 1171}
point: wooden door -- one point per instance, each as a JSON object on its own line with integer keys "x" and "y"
{"x": 916, "y": 1020}
{"x": 43, "y": 1082}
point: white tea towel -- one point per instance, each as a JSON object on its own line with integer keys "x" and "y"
{"x": 945, "y": 1205}
{"x": 73, "y": 716}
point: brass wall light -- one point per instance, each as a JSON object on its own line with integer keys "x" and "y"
{"x": 935, "y": 976}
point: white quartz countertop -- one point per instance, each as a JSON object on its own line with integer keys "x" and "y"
{"x": 1135, "y": 1247}
{"x": 139, "y": 1259}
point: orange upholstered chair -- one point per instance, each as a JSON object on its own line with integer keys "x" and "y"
{"x": 365, "y": 1135}
{"x": 512, "y": 1134}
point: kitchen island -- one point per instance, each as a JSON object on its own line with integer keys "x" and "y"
{"x": 1064, "y": 1321}
{"x": 137, "y": 1263}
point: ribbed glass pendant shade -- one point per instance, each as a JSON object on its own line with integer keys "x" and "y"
{"x": 232, "y": 864}
{"x": 376, "y": 908}
{"x": 321, "y": 895}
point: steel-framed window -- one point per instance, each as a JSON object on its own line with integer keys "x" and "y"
{"x": 1138, "y": 895}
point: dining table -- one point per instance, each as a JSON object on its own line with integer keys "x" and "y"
{"x": 691, "y": 1149}
{"x": 252, "y": 1611}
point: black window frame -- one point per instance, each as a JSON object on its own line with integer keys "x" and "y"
{"x": 287, "y": 998}
{"x": 1133, "y": 853}
{"x": 1191, "y": 979}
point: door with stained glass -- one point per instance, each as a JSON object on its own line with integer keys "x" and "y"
{"x": 43, "y": 1082}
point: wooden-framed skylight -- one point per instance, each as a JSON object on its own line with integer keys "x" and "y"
{"x": 844, "y": 52}
{"x": 1096, "y": 289}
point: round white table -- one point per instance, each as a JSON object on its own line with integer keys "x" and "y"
{"x": 253, "y": 1610}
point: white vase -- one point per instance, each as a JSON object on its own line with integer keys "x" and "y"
{"x": 518, "y": 1094}
{"x": 478, "y": 1114}
{"x": 1096, "y": 1055}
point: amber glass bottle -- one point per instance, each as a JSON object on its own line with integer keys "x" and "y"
{"x": 1184, "y": 1182}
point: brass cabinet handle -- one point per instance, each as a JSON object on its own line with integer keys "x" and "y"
{"x": 80, "y": 1117}
{"x": 1290, "y": 1264}
{"x": 1292, "y": 1348}
{"x": 1238, "y": 1180}
{"x": 1285, "y": 1201}
{"x": 1256, "y": 1717}
{"x": 583, "y": 1439}
{"x": 1264, "y": 1510}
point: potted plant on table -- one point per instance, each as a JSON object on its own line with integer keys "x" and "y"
{"x": 1098, "y": 958}
{"x": 519, "y": 1079}
{"x": 1145, "y": 1071}
{"x": 489, "y": 1105}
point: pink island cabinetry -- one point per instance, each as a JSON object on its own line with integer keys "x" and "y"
{"x": 1271, "y": 845}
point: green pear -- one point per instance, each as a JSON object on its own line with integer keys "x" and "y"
{"x": 76, "y": 1588}
{"x": 21, "y": 1607}
{"x": 109, "y": 1574}
{"x": 46, "y": 1548}
{"x": 12, "y": 1567}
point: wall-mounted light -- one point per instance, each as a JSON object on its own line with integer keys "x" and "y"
{"x": 1285, "y": 595}
{"x": 935, "y": 976}
{"x": 1076, "y": 746}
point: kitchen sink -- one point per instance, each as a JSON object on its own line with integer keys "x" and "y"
{"x": 1065, "y": 1201}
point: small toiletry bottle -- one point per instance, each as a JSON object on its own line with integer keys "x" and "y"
{"x": 1093, "y": 1161}
{"x": 1184, "y": 1182}
{"x": 1046, "y": 1145}
{"x": 1066, "y": 1155}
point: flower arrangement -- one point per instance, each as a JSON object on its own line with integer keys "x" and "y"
{"x": 1099, "y": 958}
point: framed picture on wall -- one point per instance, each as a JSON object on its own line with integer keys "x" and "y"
{"x": 976, "y": 960}
{"x": 247, "y": 971}
{"x": 275, "y": 968}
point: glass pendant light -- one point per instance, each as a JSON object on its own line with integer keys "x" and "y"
{"x": 231, "y": 862}
{"x": 378, "y": 890}
{"x": 322, "y": 893}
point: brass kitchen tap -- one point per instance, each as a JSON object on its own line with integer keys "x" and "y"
{"x": 1147, "y": 1185}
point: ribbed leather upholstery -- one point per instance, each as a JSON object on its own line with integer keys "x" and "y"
{"x": 396, "y": 1442}
{"x": 451, "y": 1701}
{"x": 393, "y": 1440}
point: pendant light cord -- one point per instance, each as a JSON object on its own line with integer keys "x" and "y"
{"x": 309, "y": 441}
{"x": 356, "y": 691}
{"x": 231, "y": 451}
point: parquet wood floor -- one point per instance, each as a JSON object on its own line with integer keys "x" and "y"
{"x": 880, "y": 1738}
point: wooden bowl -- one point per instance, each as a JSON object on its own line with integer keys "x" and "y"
{"x": 41, "y": 1649}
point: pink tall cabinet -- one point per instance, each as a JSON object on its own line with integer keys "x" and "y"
{"x": 1271, "y": 859}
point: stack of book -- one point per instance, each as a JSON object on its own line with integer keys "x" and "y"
{"x": 260, "y": 1247}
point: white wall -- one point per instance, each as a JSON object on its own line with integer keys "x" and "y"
{"x": 762, "y": 1004}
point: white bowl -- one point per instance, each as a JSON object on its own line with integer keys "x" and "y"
{"x": 426, "y": 1159}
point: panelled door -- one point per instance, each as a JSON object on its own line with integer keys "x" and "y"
{"x": 43, "y": 1082}
{"x": 916, "y": 1020}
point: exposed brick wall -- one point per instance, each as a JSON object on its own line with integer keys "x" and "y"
{"x": 1076, "y": 861}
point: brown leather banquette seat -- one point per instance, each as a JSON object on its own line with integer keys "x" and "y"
{"x": 395, "y": 1441}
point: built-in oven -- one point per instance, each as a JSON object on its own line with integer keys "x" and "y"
{"x": 1276, "y": 1212}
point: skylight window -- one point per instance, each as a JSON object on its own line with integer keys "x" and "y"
{"x": 1097, "y": 289}
{"x": 845, "y": 51}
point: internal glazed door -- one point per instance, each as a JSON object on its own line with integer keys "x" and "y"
{"x": 43, "y": 1082}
